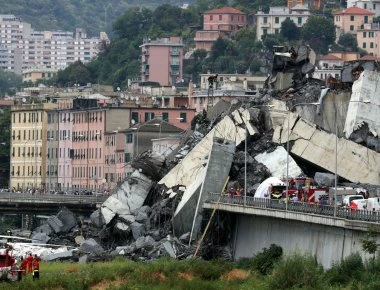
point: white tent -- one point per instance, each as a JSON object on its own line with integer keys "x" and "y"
{"x": 262, "y": 190}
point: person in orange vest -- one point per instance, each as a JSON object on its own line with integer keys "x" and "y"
{"x": 36, "y": 267}
{"x": 23, "y": 266}
{"x": 29, "y": 261}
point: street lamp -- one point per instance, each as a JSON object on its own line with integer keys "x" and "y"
{"x": 287, "y": 149}
{"x": 50, "y": 156}
{"x": 336, "y": 153}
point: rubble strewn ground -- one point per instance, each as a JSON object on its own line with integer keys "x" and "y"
{"x": 137, "y": 220}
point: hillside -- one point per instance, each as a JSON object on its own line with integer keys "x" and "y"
{"x": 93, "y": 15}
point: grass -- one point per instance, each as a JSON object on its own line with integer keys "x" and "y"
{"x": 288, "y": 272}
{"x": 163, "y": 274}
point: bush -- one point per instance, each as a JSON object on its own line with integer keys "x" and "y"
{"x": 351, "y": 268}
{"x": 263, "y": 261}
{"x": 296, "y": 271}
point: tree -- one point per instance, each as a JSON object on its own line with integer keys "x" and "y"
{"x": 319, "y": 32}
{"x": 289, "y": 30}
{"x": 369, "y": 244}
{"x": 348, "y": 42}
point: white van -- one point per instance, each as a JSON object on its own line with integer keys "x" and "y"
{"x": 373, "y": 204}
{"x": 349, "y": 198}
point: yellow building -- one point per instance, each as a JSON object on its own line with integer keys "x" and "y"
{"x": 35, "y": 74}
{"x": 29, "y": 146}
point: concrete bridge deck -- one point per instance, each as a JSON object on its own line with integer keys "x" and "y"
{"x": 48, "y": 203}
{"x": 302, "y": 212}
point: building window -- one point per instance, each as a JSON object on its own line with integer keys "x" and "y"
{"x": 364, "y": 45}
{"x": 351, "y": 28}
{"x": 299, "y": 20}
{"x": 276, "y": 31}
{"x": 371, "y": 45}
{"x": 149, "y": 116}
{"x": 135, "y": 117}
{"x": 265, "y": 31}
{"x": 165, "y": 117}
{"x": 220, "y": 17}
{"x": 365, "y": 19}
{"x": 127, "y": 157}
{"x": 129, "y": 138}
{"x": 265, "y": 20}
{"x": 211, "y": 17}
{"x": 352, "y": 18}
{"x": 365, "y": 5}
{"x": 364, "y": 34}
{"x": 183, "y": 117}
{"x": 277, "y": 20}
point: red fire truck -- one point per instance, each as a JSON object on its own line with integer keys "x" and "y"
{"x": 307, "y": 190}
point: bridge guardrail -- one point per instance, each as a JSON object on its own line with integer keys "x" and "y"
{"x": 303, "y": 207}
{"x": 47, "y": 198}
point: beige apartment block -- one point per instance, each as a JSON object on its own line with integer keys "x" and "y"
{"x": 270, "y": 23}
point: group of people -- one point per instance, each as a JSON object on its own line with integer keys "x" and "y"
{"x": 235, "y": 191}
{"x": 29, "y": 264}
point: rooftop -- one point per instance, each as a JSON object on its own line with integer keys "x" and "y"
{"x": 224, "y": 10}
{"x": 354, "y": 11}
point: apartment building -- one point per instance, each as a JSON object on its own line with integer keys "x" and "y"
{"x": 270, "y": 23}
{"x": 368, "y": 37}
{"x": 29, "y": 148}
{"x": 162, "y": 61}
{"x": 23, "y": 48}
{"x": 351, "y": 19}
{"x": 370, "y": 5}
{"x": 76, "y": 144}
{"x": 219, "y": 22}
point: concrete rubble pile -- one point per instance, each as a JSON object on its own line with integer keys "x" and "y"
{"x": 158, "y": 210}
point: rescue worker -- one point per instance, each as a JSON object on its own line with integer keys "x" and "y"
{"x": 29, "y": 260}
{"x": 36, "y": 267}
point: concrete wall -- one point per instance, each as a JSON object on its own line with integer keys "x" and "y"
{"x": 328, "y": 244}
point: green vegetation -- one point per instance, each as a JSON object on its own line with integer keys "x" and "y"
{"x": 295, "y": 271}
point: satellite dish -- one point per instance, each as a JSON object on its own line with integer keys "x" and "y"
{"x": 121, "y": 102}
{"x": 173, "y": 87}
{"x": 133, "y": 121}
{"x": 127, "y": 97}
{"x": 23, "y": 100}
{"x": 118, "y": 89}
{"x": 132, "y": 98}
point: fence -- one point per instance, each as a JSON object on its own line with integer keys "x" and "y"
{"x": 303, "y": 207}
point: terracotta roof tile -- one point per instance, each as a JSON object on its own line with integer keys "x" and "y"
{"x": 224, "y": 10}
{"x": 369, "y": 57}
{"x": 330, "y": 57}
{"x": 354, "y": 11}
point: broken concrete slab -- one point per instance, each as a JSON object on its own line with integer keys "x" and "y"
{"x": 58, "y": 255}
{"x": 356, "y": 163}
{"x": 40, "y": 238}
{"x": 90, "y": 246}
{"x": 55, "y": 223}
{"x": 97, "y": 218}
{"x": 276, "y": 162}
{"x": 130, "y": 196}
{"x": 137, "y": 229}
{"x": 145, "y": 242}
{"x": 67, "y": 218}
{"x": 324, "y": 179}
{"x": 217, "y": 170}
{"x": 364, "y": 105}
{"x": 45, "y": 228}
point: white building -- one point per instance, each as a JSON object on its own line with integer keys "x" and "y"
{"x": 270, "y": 23}
{"x": 55, "y": 50}
{"x": 371, "y": 5}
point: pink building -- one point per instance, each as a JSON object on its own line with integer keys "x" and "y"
{"x": 162, "y": 61}
{"x": 218, "y": 23}
{"x": 352, "y": 19}
{"x": 224, "y": 19}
